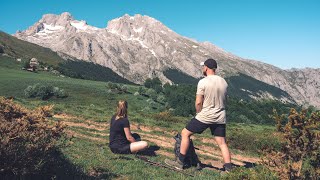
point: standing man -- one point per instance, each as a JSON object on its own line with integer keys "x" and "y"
{"x": 210, "y": 107}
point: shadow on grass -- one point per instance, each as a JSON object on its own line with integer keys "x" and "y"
{"x": 246, "y": 165}
{"x": 151, "y": 151}
{"x": 59, "y": 167}
{"x": 206, "y": 166}
{"x": 249, "y": 164}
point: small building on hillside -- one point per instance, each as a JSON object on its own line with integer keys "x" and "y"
{"x": 33, "y": 64}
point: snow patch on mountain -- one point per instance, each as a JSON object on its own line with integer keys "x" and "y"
{"x": 138, "y": 30}
{"x": 79, "y": 25}
{"x": 49, "y": 28}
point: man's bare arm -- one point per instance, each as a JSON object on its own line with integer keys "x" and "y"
{"x": 199, "y": 103}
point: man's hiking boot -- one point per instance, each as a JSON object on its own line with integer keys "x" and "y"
{"x": 174, "y": 163}
{"x": 228, "y": 167}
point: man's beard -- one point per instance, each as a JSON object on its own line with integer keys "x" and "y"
{"x": 204, "y": 73}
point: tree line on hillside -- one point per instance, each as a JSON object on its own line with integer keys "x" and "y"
{"x": 180, "y": 98}
{"x": 90, "y": 71}
{"x": 236, "y": 82}
{"x": 179, "y": 77}
{"x": 252, "y": 86}
{"x": 175, "y": 97}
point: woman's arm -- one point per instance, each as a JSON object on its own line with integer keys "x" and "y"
{"x": 129, "y": 135}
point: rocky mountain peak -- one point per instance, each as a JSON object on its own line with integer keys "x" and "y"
{"x": 49, "y": 23}
{"x": 62, "y": 20}
{"x": 130, "y": 25}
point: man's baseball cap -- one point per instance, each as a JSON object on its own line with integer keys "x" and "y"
{"x": 210, "y": 63}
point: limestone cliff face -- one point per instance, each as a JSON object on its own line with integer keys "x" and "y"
{"x": 138, "y": 47}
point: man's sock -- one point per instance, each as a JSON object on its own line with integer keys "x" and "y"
{"x": 182, "y": 157}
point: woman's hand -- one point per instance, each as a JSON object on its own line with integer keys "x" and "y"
{"x": 129, "y": 135}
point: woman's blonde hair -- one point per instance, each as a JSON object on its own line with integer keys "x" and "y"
{"x": 122, "y": 111}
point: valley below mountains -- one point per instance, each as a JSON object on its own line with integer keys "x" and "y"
{"x": 140, "y": 47}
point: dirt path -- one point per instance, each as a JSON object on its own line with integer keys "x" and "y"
{"x": 79, "y": 135}
{"x": 209, "y": 154}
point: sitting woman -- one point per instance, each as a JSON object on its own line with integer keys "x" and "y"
{"x": 121, "y": 140}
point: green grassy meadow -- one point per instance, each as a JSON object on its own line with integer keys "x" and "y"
{"x": 90, "y": 104}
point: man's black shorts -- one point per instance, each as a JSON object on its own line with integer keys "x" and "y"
{"x": 198, "y": 127}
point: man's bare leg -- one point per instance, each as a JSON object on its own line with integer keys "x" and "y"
{"x": 221, "y": 141}
{"x": 185, "y": 141}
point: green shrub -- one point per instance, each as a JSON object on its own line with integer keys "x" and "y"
{"x": 39, "y": 90}
{"x": 44, "y": 91}
{"x": 151, "y": 102}
{"x": 242, "y": 118}
{"x": 161, "y": 98}
{"x": 111, "y": 85}
{"x": 152, "y": 94}
{"x": 124, "y": 88}
{"x": 116, "y": 88}
{"x": 146, "y": 109}
{"x": 158, "y": 88}
{"x": 142, "y": 90}
{"x": 26, "y": 64}
{"x": 59, "y": 93}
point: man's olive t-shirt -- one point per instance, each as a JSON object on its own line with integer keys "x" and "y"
{"x": 214, "y": 90}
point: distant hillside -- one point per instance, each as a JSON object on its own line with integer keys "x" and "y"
{"x": 246, "y": 87}
{"x": 21, "y": 49}
{"x": 9, "y": 63}
{"x": 16, "y": 48}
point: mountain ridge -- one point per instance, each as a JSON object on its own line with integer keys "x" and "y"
{"x": 139, "y": 47}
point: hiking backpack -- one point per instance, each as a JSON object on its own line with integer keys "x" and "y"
{"x": 191, "y": 156}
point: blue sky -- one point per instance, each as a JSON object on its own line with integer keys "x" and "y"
{"x": 284, "y": 33}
